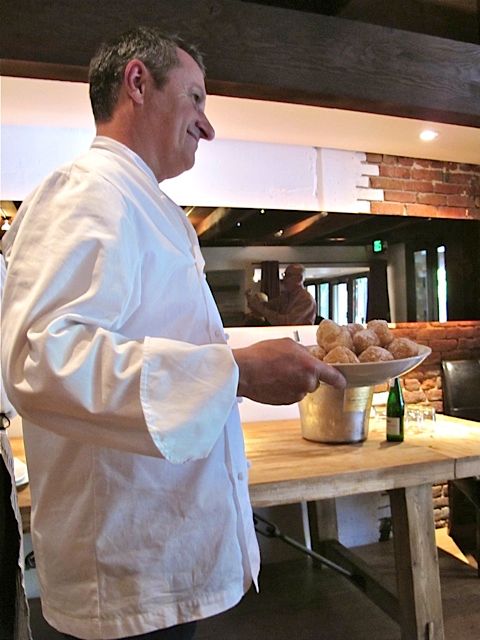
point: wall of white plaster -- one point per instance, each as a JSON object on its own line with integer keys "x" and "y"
{"x": 229, "y": 173}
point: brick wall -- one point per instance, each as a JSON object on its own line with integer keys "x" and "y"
{"x": 449, "y": 341}
{"x": 455, "y": 340}
{"x": 416, "y": 187}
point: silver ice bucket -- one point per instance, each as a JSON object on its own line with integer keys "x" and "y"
{"x": 336, "y": 416}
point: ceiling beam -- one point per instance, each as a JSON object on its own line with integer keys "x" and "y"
{"x": 299, "y": 228}
{"x": 261, "y": 52}
{"x": 212, "y": 220}
{"x": 326, "y": 226}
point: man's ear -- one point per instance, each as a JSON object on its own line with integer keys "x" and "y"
{"x": 135, "y": 78}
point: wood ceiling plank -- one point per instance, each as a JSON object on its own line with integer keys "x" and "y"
{"x": 296, "y": 230}
{"x": 263, "y": 52}
{"x": 212, "y": 220}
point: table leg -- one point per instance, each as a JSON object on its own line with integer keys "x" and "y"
{"x": 416, "y": 559}
{"x": 322, "y": 517}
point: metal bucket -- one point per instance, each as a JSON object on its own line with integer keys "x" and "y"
{"x": 336, "y": 416}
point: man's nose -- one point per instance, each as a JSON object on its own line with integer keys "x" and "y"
{"x": 206, "y": 130}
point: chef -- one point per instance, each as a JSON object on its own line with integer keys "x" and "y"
{"x": 116, "y": 358}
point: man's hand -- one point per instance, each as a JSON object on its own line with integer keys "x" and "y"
{"x": 281, "y": 372}
{"x": 254, "y": 302}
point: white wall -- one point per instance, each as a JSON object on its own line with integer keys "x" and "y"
{"x": 230, "y": 173}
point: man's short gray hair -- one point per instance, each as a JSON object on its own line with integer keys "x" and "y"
{"x": 155, "y": 49}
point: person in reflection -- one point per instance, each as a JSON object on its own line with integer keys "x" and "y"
{"x": 116, "y": 358}
{"x": 294, "y": 305}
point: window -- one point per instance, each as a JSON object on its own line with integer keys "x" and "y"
{"x": 441, "y": 284}
{"x": 360, "y": 299}
{"x": 422, "y": 311}
{"x": 342, "y": 299}
{"x": 324, "y": 301}
{"x": 427, "y": 284}
{"x": 340, "y": 303}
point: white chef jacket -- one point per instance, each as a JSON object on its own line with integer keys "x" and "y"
{"x": 116, "y": 358}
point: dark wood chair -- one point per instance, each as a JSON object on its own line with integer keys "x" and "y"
{"x": 461, "y": 398}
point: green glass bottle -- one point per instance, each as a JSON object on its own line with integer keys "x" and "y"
{"x": 395, "y": 412}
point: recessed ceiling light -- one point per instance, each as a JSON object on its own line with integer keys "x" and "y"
{"x": 337, "y": 239}
{"x": 427, "y": 135}
{"x": 262, "y": 210}
{"x": 279, "y": 233}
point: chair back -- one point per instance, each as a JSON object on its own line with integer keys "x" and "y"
{"x": 461, "y": 388}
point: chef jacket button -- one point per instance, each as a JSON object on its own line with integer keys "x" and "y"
{"x": 240, "y": 475}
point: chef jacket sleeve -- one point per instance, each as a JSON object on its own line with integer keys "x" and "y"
{"x": 69, "y": 369}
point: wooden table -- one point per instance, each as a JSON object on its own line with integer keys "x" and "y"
{"x": 285, "y": 469}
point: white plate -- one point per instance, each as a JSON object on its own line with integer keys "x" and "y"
{"x": 21, "y": 473}
{"x": 365, "y": 374}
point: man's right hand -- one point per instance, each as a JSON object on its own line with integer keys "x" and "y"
{"x": 281, "y": 372}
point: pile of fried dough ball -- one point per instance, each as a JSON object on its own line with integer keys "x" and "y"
{"x": 354, "y": 343}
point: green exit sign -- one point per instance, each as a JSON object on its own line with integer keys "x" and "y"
{"x": 378, "y": 246}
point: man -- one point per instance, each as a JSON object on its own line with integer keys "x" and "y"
{"x": 117, "y": 361}
{"x": 13, "y": 601}
{"x": 294, "y": 305}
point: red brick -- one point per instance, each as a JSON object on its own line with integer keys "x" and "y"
{"x": 419, "y": 162}
{"x": 374, "y": 158}
{"x": 389, "y": 159}
{"x": 452, "y": 212}
{"x": 468, "y": 332}
{"x": 448, "y": 187}
{"x": 431, "y": 198}
{"x": 443, "y": 345}
{"x": 387, "y": 208}
{"x": 379, "y": 182}
{"x": 458, "y": 354}
{"x": 434, "y": 357}
{"x": 445, "y": 166}
{"x": 421, "y": 210}
{"x": 428, "y": 383}
{"x": 459, "y": 178}
{"x": 416, "y": 375}
{"x": 412, "y": 384}
{"x": 427, "y": 174}
{"x": 434, "y": 394}
{"x": 406, "y": 162}
{"x": 423, "y": 186}
{"x": 394, "y": 171}
{"x": 469, "y": 343}
{"x": 460, "y": 201}
{"x": 431, "y": 334}
{"x": 400, "y": 196}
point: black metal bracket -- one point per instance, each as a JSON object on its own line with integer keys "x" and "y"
{"x": 270, "y": 530}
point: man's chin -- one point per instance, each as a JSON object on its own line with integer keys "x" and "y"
{"x": 185, "y": 166}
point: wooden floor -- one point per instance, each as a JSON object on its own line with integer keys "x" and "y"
{"x": 300, "y": 602}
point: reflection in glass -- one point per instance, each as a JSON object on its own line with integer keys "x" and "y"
{"x": 441, "y": 284}
{"x": 340, "y": 303}
{"x": 360, "y": 296}
{"x": 324, "y": 307}
{"x": 421, "y": 286}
